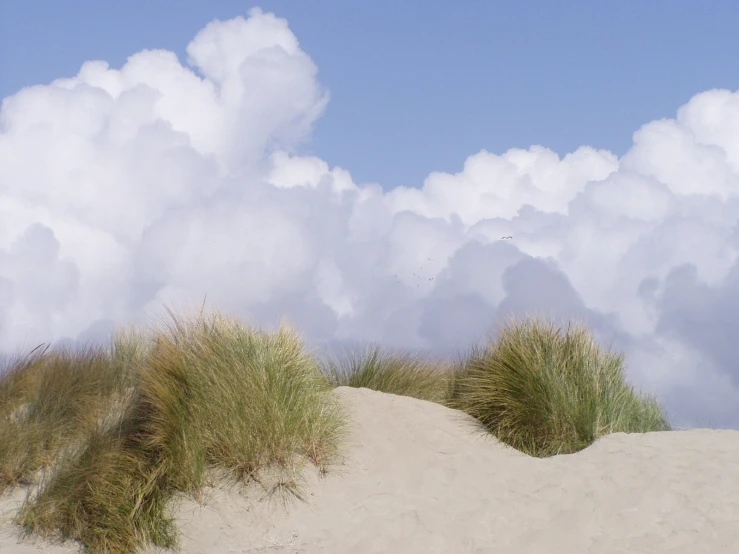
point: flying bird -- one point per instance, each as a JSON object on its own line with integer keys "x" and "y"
{"x": 506, "y": 237}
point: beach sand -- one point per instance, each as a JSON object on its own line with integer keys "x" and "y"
{"x": 420, "y": 478}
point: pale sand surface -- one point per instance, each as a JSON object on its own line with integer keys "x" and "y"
{"x": 418, "y": 478}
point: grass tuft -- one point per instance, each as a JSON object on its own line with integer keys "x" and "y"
{"x": 391, "y": 372}
{"x": 547, "y": 393}
{"x": 111, "y": 438}
{"x": 207, "y": 399}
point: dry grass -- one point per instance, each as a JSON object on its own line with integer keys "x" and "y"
{"x": 208, "y": 394}
{"x": 116, "y": 433}
{"x": 545, "y": 393}
{"x": 391, "y": 372}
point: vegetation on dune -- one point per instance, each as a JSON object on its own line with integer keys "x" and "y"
{"x": 544, "y": 392}
{"x": 111, "y": 435}
{"x": 392, "y": 372}
{"x": 51, "y": 400}
{"x": 210, "y": 400}
{"x": 534, "y": 388}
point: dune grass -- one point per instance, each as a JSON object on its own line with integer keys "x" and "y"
{"x": 111, "y": 436}
{"x": 544, "y": 392}
{"x": 391, "y": 372}
{"x": 536, "y": 389}
{"x": 50, "y": 400}
{"x": 210, "y": 400}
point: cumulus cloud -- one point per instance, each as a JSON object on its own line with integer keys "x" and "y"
{"x": 123, "y": 190}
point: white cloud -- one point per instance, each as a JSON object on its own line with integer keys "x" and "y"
{"x": 123, "y": 189}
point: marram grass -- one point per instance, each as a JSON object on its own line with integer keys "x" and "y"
{"x": 111, "y": 436}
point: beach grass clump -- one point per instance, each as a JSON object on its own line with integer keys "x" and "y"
{"x": 394, "y": 372}
{"x": 544, "y": 392}
{"x": 211, "y": 400}
{"x": 53, "y": 398}
{"x": 113, "y": 437}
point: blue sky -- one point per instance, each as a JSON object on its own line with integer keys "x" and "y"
{"x": 417, "y": 86}
{"x": 354, "y": 169}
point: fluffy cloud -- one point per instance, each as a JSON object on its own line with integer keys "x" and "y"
{"x": 122, "y": 190}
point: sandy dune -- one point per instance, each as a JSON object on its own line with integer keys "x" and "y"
{"x": 419, "y": 479}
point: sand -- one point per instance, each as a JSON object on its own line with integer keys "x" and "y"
{"x": 418, "y": 478}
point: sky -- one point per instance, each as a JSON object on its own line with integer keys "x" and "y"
{"x": 354, "y": 167}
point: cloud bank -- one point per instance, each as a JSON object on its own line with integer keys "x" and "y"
{"x": 123, "y": 190}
